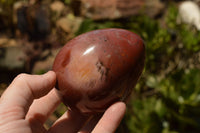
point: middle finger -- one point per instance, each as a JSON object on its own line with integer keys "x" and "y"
{"x": 42, "y": 108}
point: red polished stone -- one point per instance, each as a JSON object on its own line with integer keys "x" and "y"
{"x": 99, "y": 68}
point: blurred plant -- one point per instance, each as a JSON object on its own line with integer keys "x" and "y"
{"x": 67, "y": 1}
{"x": 190, "y": 38}
{"x": 174, "y": 100}
{"x": 7, "y": 2}
{"x": 187, "y": 35}
{"x": 89, "y": 25}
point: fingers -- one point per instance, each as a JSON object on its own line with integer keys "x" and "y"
{"x": 23, "y": 90}
{"x": 42, "y": 108}
{"x": 70, "y": 122}
{"x": 111, "y": 119}
{"x": 74, "y": 122}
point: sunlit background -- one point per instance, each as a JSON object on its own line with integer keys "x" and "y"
{"x": 167, "y": 96}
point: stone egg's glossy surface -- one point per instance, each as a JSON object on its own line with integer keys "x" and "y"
{"x": 99, "y": 68}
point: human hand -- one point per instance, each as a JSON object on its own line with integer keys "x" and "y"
{"x": 31, "y": 99}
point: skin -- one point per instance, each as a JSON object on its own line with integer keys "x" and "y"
{"x": 31, "y": 99}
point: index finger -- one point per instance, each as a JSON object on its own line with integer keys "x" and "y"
{"x": 111, "y": 118}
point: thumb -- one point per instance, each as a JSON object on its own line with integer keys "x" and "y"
{"x": 24, "y": 89}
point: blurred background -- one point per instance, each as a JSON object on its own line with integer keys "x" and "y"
{"x": 166, "y": 98}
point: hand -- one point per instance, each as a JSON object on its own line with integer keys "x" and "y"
{"x": 31, "y": 99}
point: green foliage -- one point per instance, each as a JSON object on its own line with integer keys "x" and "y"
{"x": 171, "y": 18}
{"x": 175, "y": 108}
{"x": 67, "y": 1}
{"x": 190, "y": 38}
{"x": 146, "y": 118}
{"x": 187, "y": 35}
{"x": 89, "y": 25}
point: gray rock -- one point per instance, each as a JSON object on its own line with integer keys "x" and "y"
{"x": 112, "y": 9}
{"x": 12, "y": 57}
{"x": 57, "y": 6}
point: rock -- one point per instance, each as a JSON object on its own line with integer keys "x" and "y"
{"x": 65, "y": 24}
{"x": 6, "y": 42}
{"x": 112, "y": 9}
{"x": 57, "y": 7}
{"x": 189, "y": 12}
{"x": 3, "y": 41}
{"x": 153, "y": 7}
{"x": 69, "y": 24}
{"x": 100, "y": 9}
{"x": 129, "y": 7}
{"x": 12, "y": 57}
{"x": 19, "y": 4}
